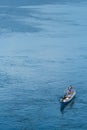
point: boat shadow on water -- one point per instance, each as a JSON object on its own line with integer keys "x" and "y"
{"x": 67, "y": 106}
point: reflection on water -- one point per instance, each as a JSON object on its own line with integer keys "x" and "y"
{"x": 67, "y": 107}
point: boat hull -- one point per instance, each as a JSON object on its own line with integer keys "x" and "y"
{"x": 67, "y": 100}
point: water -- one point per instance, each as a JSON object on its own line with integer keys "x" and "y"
{"x": 43, "y": 49}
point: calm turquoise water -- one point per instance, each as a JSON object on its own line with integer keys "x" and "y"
{"x": 43, "y": 49}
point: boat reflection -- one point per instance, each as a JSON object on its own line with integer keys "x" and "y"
{"x": 68, "y": 106}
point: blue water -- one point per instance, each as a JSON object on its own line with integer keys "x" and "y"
{"x": 43, "y": 49}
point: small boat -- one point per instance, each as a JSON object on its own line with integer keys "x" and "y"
{"x": 67, "y": 98}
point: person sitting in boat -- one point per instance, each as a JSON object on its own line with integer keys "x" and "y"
{"x": 70, "y": 90}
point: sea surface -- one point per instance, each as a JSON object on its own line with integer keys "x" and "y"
{"x": 43, "y": 49}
